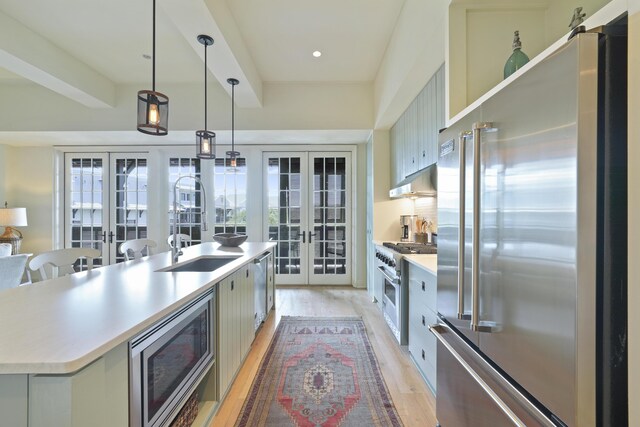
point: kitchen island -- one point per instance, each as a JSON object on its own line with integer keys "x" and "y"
{"x": 72, "y": 333}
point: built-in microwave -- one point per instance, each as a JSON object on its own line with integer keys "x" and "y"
{"x": 169, "y": 360}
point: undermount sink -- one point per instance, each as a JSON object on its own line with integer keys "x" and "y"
{"x": 201, "y": 264}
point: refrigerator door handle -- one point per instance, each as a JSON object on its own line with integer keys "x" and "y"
{"x": 476, "y": 324}
{"x": 435, "y": 330}
{"x": 462, "y": 224}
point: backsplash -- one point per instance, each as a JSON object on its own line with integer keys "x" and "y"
{"x": 427, "y": 208}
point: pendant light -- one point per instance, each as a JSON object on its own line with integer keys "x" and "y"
{"x": 153, "y": 107}
{"x": 205, "y": 140}
{"x": 233, "y": 154}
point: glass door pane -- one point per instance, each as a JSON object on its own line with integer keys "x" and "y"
{"x": 286, "y": 215}
{"x": 86, "y": 198}
{"x": 129, "y": 206}
{"x": 331, "y": 213}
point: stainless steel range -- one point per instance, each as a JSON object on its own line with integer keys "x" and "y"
{"x": 393, "y": 283}
{"x": 412, "y": 248}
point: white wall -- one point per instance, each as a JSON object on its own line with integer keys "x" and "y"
{"x": 360, "y": 223}
{"x": 634, "y": 214}
{"x": 3, "y": 172}
{"x": 29, "y": 183}
{"x": 386, "y": 212}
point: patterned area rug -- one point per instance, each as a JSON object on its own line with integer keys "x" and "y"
{"x": 319, "y": 372}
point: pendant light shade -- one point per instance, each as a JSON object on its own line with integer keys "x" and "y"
{"x": 205, "y": 140}
{"x": 233, "y": 154}
{"x": 153, "y": 107}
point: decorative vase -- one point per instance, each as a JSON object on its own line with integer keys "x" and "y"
{"x": 517, "y": 59}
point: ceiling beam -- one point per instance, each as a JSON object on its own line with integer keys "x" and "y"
{"x": 35, "y": 58}
{"x": 228, "y": 57}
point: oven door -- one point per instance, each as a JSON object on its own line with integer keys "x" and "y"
{"x": 169, "y": 361}
{"x": 390, "y": 301}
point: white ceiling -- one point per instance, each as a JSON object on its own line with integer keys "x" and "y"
{"x": 111, "y": 37}
{"x": 86, "y": 49}
{"x": 281, "y": 35}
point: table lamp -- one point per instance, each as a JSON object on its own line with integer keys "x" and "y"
{"x": 9, "y": 218}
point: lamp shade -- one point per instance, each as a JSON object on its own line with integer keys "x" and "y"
{"x": 153, "y": 113}
{"x": 205, "y": 144}
{"x": 13, "y": 217}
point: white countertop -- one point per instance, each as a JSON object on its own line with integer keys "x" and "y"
{"x": 428, "y": 262}
{"x": 61, "y": 325}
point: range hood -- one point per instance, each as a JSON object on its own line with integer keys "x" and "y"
{"x": 423, "y": 183}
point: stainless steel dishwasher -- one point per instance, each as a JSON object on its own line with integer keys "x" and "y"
{"x": 260, "y": 271}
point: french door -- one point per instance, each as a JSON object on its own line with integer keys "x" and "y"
{"x": 308, "y": 213}
{"x": 105, "y": 202}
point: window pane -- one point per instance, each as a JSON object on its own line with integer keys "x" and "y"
{"x": 231, "y": 196}
{"x": 188, "y": 213}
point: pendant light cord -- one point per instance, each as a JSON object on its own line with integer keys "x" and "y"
{"x": 233, "y": 125}
{"x": 205, "y": 87}
{"x": 153, "y": 53}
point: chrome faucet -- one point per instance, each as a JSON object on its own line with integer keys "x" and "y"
{"x": 176, "y": 249}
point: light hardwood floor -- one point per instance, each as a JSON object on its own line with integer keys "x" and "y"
{"x": 410, "y": 394}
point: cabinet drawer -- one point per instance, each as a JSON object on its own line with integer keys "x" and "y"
{"x": 423, "y": 351}
{"x": 419, "y": 334}
{"x": 422, "y": 287}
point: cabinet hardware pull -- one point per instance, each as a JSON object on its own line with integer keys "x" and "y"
{"x": 424, "y": 322}
{"x": 435, "y": 330}
{"x": 423, "y": 355}
{"x": 423, "y": 285}
{"x": 232, "y": 285}
{"x": 462, "y": 159}
{"x": 475, "y": 241}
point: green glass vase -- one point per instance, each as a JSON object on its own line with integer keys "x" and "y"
{"x": 517, "y": 59}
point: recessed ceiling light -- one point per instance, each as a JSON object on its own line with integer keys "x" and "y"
{"x": 317, "y": 53}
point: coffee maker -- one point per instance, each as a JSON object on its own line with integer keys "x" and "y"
{"x": 408, "y": 228}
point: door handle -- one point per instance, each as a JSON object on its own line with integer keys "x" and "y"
{"x": 311, "y": 234}
{"x": 476, "y": 324}
{"x": 111, "y": 237}
{"x": 303, "y": 236}
{"x": 388, "y": 277}
{"x": 104, "y": 237}
{"x": 435, "y": 330}
{"x": 462, "y": 158}
{"x": 262, "y": 258}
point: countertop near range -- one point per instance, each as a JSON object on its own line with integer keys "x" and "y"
{"x": 61, "y": 325}
{"x": 427, "y": 262}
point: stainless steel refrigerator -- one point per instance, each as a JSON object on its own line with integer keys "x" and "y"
{"x": 532, "y": 246}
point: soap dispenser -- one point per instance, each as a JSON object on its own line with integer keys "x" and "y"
{"x": 517, "y": 59}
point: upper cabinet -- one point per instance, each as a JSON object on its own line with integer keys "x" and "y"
{"x": 481, "y": 33}
{"x": 414, "y": 137}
